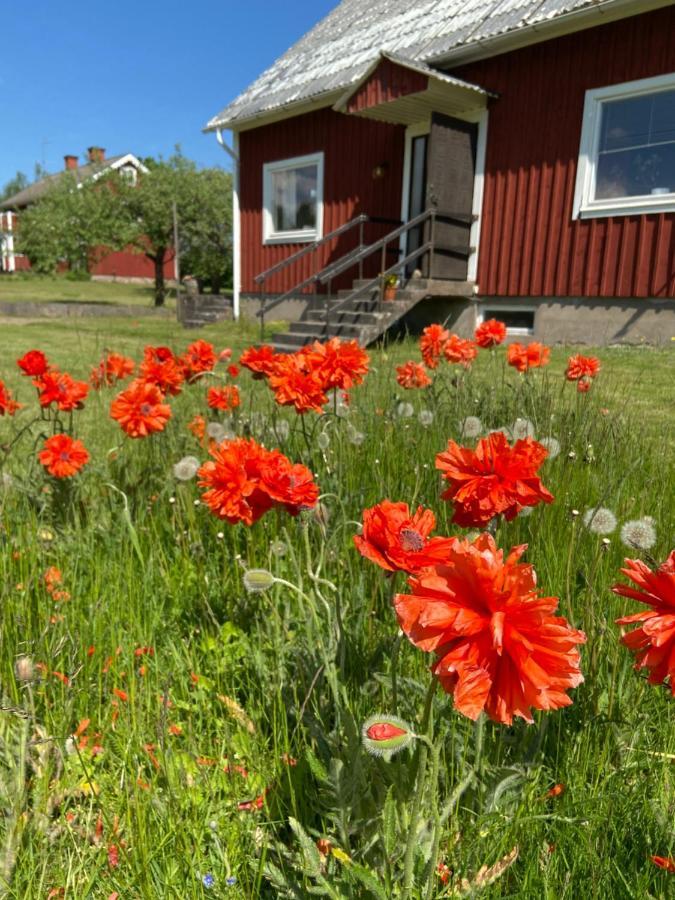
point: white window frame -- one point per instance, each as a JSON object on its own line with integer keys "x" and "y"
{"x": 299, "y": 236}
{"x": 585, "y": 206}
{"x": 494, "y": 309}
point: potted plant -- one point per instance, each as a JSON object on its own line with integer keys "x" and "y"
{"x": 390, "y": 285}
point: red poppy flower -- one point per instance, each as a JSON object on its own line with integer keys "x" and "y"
{"x": 113, "y": 368}
{"x": 654, "y": 642}
{"x": 460, "y": 350}
{"x": 499, "y": 646}
{"x": 341, "y": 364}
{"x": 58, "y": 387}
{"x": 233, "y": 371}
{"x": 397, "y": 540}
{"x": 490, "y": 333}
{"x": 62, "y": 456}
{"x": 198, "y": 427}
{"x": 8, "y": 405}
{"x": 494, "y": 479}
{"x": 225, "y": 398}
{"x": 291, "y": 484}
{"x": 140, "y": 409}
{"x": 432, "y": 344}
{"x": 296, "y": 381}
{"x": 33, "y": 363}
{"x": 664, "y": 862}
{"x": 583, "y": 385}
{"x": 161, "y": 368}
{"x": 199, "y": 357}
{"x": 259, "y": 360}
{"x": 582, "y": 367}
{"x": 412, "y": 375}
{"x": 533, "y": 356}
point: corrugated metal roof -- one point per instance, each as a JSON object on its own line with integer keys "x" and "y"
{"x": 337, "y": 51}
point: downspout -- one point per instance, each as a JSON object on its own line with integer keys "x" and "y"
{"x": 233, "y": 152}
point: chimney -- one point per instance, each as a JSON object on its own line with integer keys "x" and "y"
{"x": 96, "y": 154}
{"x": 71, "y": 163}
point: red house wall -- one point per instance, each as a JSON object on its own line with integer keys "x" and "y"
{"x": 353, "y": 147}
{"x": 127, "y": 264}
{"x": 529, "y": 243}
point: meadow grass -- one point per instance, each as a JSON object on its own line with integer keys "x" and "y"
{"x": 262, "y": 695}
{"x": 60, "y": 288}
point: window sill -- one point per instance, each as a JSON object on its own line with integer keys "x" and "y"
{"x": 627, "y": 209}
{"x": 292, "y": 237}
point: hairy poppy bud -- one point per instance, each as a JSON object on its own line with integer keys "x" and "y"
{"x": 386, "y": 735}
{"x": 256, "y": 581}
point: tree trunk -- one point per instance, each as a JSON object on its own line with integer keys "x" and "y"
{"x": 160, "y": 287}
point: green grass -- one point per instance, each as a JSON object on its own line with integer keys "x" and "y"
{"x": 61, "y": 289}
{"x": 306, "y": 673}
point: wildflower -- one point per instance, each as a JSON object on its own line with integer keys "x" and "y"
{"x": 233, "y": 371}
{"x": 225, "y": 398}
{"x": 208, "y": 880}
{"x": 231, "y": 880}
{"x": 470, "y": 427}
{"x": 494, "y": 479}
{"x": 552, "y": 446}
{"x": 279, "y": 548}
{"x": 259, "y": 360}
{"x": 198, "y": 427}
{"x": 33, "y": 363}
{"x": 63, "y": 456}
{"x": 533, "y": 356}
{"x": 490, "y": 333}
{"x": 639, "y": 534}
{"x": 225, "y": 354}
{"x": 405, "y": 410}
{"x": 499, "y": 646}
{"x": 324, "y": 846}
{"x": 23, "y": 669}
{"x": 556, "y": 791}
{"x": 664, "y": 862}
{"x": 386, "y": 735}
{"x": 654, "y": 641}
{"x": 521, "y": 429}
{"x": 140, "y": 409}
{"x": 296, "y": 381}
{"x": 8, "y": 405}
{"x": 257, "y": 581}
{"x": 425, "y": 418}
{"x": 579, "y": 367}
{"x": 186, "y": 468}
{"x": 399, "y": 541}
{"x": 162, "y": 369}
{"x": 412, "y": 375}
{"x": 460, "y": 350}
{"x": 340, "y": 364}
{"x": 199, "y": 357}
{"x": 113, "y": 368}
{"x": 583, "y": 385}
{"x": 433, "y": 340}
{"x": 60, "y": 388}
{"x": 600, "y": 520}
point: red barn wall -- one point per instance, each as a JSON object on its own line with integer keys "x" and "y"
{"x": 353, "y": 147}
{"x": 529, "y": 243}
{"x": 127, "y": 264}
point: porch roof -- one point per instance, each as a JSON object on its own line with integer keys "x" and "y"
{"x": 403, "y": 91}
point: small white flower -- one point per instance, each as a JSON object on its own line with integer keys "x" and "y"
{"x": 552, "y": 445}
{"x": 405, "y": 410}
{"x": 172, "y": 500}
{"x": 220, "y": 535}
{"x": 639, "y": 533}
{"x": 426, "y": 418}
{"x": 470, "y": 427}
{"x": 196, "y": 502}
{"x": 521, "y": 429}
{"x": 600, "y": 520}
{"x": 186, "y": 468}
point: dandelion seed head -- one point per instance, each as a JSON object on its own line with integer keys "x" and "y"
{"x": 600, "y": 520}
{"x": 426, "y": 418}
{"x": 323, "y": 440}
{"x": 405, "y": 410}
{"x": 186, "y": 468}
{"x": 279, "y": 548}
{"x": 216, "y": 432}
{"x": 470, "y": 427}
{"x": 552, "y": 445}
{"x": 639, "y": 534}
{"x": 521, "y": 429}
{"x": 256, "y": 581}
{"x": 356, "y": 437}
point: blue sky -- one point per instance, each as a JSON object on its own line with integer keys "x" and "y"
{"x": 138, "y": 77}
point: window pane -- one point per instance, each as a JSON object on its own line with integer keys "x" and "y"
{"x": 634, "y": 173}
{"x": 294, "y": 193}
{"x": 625, "y": 123}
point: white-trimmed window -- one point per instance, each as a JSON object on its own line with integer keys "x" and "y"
{"x": 293, "y": 200}
{"x": 627, "y": 150}
{"x": 519, "y": 320}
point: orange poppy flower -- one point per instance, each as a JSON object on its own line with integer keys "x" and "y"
{"x": 62, "y": 456}
{"x": 8, "y": 405}
{"x": 500, "y": 648}
{"x": 58, "y": 387}
{"x": 399, "y": 541}
{"x": 113, "y": 368}
{"x": 259, "y": 360}
{"x": 494, "y": 479}
{"x": 161, "y": 368}
{"x": 654, "y": 642}
{"x": 412, "y": 375}
{"x": 583, "y": 385}
{"x": 198, "y": 427}
{"x": 432, "y": 344}
{"x": 140, "y": 409}
{"x": 532, "y": 356}
{"x": 490, "y": 333}
{"x": 199, "y": 357}
{"x": 664, "y": 862}
{"x": 460, "y": 350}
{"x": 582, "y": 367}
{"x": 33, "y": 363}
{"x": 295, "y": 380}
{"x": 225, "y": 398}
{"x": 52, "y": 577}
{"x": 341, "y": 364}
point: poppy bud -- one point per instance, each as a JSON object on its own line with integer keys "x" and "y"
{"x": 256, "y": 581}
{"x": 386, "y": 735}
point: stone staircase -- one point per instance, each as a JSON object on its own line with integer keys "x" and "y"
{"x": 363, "y": 318}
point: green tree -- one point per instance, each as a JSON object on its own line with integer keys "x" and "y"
{"x": 13, "y": 186}
{"x": 205, "y": 238}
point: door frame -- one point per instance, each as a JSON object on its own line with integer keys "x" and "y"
{"x": 480, "y": 117}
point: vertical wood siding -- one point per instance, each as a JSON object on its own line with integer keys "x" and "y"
{"x": 530, "y": 245}
{"x": 353, "y": 147}
{"x": 388, "y": 82}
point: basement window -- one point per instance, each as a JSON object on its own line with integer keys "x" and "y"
{"x": 627, "y": 151}
{"x": 293, "y": 200}
{"x": 517, "y": 321}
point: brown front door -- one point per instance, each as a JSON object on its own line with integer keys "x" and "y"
{"x": 451, "y": 167}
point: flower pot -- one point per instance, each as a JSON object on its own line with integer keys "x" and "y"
{"x": 390, "y": 292}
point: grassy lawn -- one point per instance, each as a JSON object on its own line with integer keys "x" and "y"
{"x": 59, "y": 289}
{"x": 217, "y": 730}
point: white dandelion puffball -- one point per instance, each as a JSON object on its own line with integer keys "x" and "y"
{"x": 405, "y": 410}
{"x": 216, "y": 432}
{"x": 470, "y": 427}
{"x": 600, "y": 520}
{"x": 639, "y": 533}
{"x": 186, "y": 468}
{"x": 356, "y": 437}
{"x": 552, "y": 445}
{"x": 426, "y": 418}
{"x": 521, "y": 429}
{"x": 323, "y": 440}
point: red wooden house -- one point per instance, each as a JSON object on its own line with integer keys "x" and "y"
{"x": 499, "y": 157}
{"x": 125, "y": 265}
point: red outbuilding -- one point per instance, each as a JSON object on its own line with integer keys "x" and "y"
{"x": 509, "y": 158}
